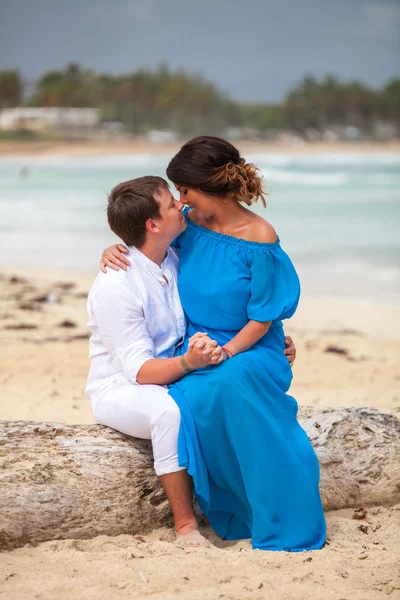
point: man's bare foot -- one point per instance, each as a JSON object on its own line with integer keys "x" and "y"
{"x": 189, "y": 538}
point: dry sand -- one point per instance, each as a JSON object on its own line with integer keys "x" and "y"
{"x": 348, "y": 354}
{"x": 142, "y": 146}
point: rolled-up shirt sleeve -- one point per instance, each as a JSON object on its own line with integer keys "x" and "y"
{"x": 122, "y": 328}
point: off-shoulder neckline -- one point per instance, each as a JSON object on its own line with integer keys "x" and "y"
{"x": 230, "y": 239}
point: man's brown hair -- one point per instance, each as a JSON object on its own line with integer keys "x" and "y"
{"x": 130, "y": 204}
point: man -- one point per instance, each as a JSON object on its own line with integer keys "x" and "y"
{"x": 137, "y": 323}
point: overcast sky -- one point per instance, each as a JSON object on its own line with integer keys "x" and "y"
{"x": 253, "y": 49}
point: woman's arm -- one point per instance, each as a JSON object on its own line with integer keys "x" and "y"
{"x": 247, "y": 337}
{"x": 251, "y": 333}
{"x": 114, "y": 257}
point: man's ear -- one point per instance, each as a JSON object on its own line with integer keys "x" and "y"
{"x": 151, "y": 226}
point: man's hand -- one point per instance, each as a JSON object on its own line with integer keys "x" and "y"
{"x": 290, "y": 350}
{"x": 114, "y": 258}
{"x": 203, "y": 352}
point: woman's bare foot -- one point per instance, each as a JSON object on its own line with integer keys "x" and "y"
{"x": 189, "y": 538}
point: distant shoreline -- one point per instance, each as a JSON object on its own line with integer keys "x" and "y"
{"x": 74, "y": 149}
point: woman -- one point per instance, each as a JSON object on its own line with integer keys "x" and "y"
{"x": 255, "y": 473}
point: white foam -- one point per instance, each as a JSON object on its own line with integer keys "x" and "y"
{"x": 264, "y": 159}
{"x": 305, "y": 179}
{"x": 114, "y": 161}
{"x": 325, "y": 158}
{"x": 338, "y": 219}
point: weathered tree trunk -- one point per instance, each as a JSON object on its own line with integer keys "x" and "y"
{"x": 62, "y": 481}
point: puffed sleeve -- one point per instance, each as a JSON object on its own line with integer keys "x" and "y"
{"x": 275, "y": 286}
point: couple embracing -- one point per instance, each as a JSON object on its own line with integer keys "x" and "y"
{"x": 188, "y": 350}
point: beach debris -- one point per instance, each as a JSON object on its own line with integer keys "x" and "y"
{"x": 67, "y": 323}
{"x": 41, "y": 298}
{"x": 20, "y": 326}
{"x": 65, "y": 286}
{"x": 140, "y": 538}
{"x": 336, "y": 350}
{"x": 363, "y": 528}
{"x": 79, "y": 336}
{"x": 309, "y": 559}
{"x": 351, "y": 332}
{"x": 51, "y": 298}
{"x": 363, "y": 556}
{"x": 143, "y": 577}
{"x": 360, "y": 513}
{"x": 344, "y": 331}
{"x": 344, "y": 574}
{"x": 29, "y": 306}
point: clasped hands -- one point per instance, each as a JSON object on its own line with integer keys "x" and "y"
{"x": 203, "y": 351}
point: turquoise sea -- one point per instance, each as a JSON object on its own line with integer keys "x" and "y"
{"x": 338, "y": 215}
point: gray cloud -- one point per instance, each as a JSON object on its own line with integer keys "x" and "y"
{"x": 253, "y": 49}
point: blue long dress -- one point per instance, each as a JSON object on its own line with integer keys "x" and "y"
{"x": 255, "y": 473}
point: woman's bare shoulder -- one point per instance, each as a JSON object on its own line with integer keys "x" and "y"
{"x": 261, "y": 231}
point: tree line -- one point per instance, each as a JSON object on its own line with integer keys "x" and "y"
{"x": 189, "y": 104}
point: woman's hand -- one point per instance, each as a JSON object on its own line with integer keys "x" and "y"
{"x": 203, "y": 351}
{"x": 290, "y": 351}
{"x": 114, "y": 258}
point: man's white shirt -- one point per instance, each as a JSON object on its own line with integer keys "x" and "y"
{"x": 134, "y": 315}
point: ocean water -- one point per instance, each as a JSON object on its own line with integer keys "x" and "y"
{"x": 338, "y": 215}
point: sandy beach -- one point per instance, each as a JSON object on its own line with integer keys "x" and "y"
{"x": 348, "y": 355}
{"x": 9, "y": 148}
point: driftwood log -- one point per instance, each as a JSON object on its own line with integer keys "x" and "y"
{"x": 78, "y": 481}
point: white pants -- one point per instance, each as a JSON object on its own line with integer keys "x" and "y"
{"x": 147, "y": 412}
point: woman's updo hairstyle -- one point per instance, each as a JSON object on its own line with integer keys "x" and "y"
{"x": 215, "y": 167}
